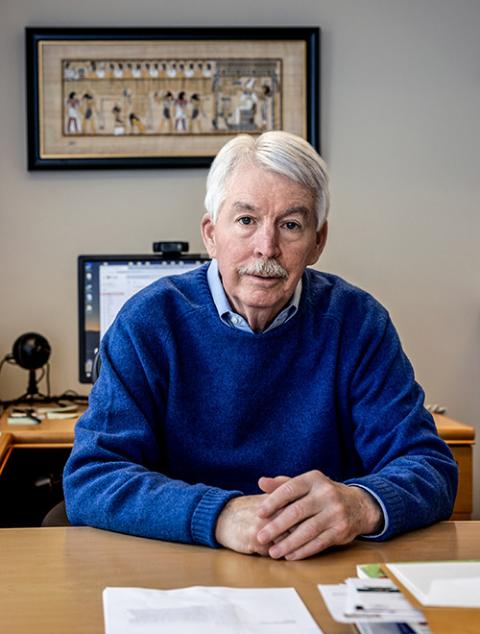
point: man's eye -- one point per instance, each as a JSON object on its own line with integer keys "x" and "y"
{"x": 245, "y": 220}
{"x": 292, "y": 226}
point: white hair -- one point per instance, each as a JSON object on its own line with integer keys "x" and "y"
{"x": 276, "y": 151}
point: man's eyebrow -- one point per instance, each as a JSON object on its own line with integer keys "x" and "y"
{"x": 239, "y": 204}
{"x": 300, "y": 209}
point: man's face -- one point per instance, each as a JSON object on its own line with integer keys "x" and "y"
{"x": 265, "y": 217}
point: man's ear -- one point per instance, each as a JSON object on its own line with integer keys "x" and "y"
{"x": 321, "y": 239}
{"x": 207, "y": 228}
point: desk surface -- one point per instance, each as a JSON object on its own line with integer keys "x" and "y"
{"x": 52, "y": 578}
{"x": 47, "y": 432}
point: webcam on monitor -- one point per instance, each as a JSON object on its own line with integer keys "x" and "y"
{"x": 171, "y": 248}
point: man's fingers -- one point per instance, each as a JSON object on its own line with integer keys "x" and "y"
{"x": 317, "y": 545}
{"x": 302, "y": 534}
{"x": 292, "y": 489}
{"x": 286, "y": 520}
{"x": 278, "y": 539}
{"x": 268, "y": 485}
{"x": 283, "y": 495}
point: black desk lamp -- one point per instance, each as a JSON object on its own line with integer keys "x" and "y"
{"x": 31, "y": 351}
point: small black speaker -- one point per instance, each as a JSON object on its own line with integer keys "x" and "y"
{"x": 31, "y": 351}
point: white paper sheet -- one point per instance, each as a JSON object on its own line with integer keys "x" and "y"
{"x": 206, "y": 610}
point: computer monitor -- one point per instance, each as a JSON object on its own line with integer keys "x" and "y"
{"x": 105, "y": 282}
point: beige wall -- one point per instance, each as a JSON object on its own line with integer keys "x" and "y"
{"x": 400, "y": 124}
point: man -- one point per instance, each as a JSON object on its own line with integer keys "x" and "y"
{"x": 256, "y": 403}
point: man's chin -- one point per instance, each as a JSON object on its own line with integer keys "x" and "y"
{"x": 262, "y": 296}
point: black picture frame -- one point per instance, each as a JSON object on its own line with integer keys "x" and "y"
{"x": 50, "y": 75}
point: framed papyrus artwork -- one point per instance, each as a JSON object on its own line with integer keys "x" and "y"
{"x": 151, "y": 97}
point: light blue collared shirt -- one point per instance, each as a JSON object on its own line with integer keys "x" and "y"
{"x": 233, "y": 319}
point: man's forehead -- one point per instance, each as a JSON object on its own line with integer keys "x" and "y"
{"x": 251, "y": 188}
{"x": 253, "y": 178}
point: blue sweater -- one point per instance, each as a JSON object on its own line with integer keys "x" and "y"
{"x": 188, "y": 412}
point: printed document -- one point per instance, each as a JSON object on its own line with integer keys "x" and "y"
{"x": 389, "y": 609}
{"x": 206, "y": 610}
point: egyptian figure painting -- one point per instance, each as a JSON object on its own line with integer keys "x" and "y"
{"x": 171, "y": 96}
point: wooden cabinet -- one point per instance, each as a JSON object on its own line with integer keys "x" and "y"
{"x": 32, "y": 458}
{"x": 460, "y": 438}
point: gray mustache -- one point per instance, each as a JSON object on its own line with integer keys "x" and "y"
{"x": 264, "y": 268}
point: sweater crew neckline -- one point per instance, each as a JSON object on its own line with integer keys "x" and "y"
{"x": 259, "y": 336}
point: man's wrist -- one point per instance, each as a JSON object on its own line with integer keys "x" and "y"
{"x": 373, "y": 517}
{"x": 221, "y": 527}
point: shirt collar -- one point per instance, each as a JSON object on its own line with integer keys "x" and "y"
{"x": 233, "y": 319}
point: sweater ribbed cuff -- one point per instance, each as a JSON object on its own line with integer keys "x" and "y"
{"x": 204, "y": 518}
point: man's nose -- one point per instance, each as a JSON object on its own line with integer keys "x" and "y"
{"x": 266, "y": 242}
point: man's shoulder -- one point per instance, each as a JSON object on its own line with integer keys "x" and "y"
{"x": 170, "y": 295}
{"x": 333, "y": 295}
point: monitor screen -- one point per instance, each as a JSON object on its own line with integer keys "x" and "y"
{"x": 105, "y": 282}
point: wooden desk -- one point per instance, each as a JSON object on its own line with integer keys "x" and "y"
{"x": 52, "y": 578}
{"x": 59, "y": 434}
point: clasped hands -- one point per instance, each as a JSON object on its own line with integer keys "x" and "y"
{"x": 297, "y": 517}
